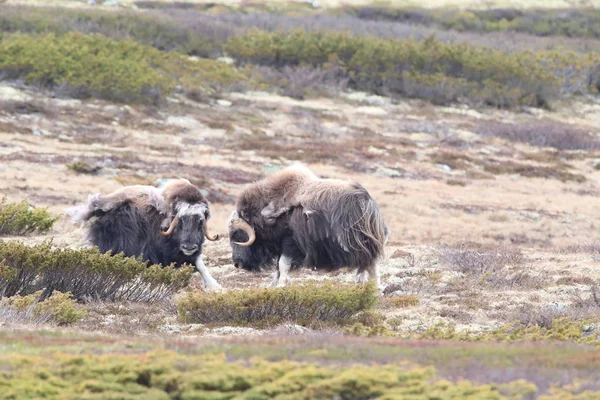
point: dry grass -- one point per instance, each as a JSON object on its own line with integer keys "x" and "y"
{"x": 583, "y": 307}
{"x": 398, "y": 302}
{"x": 126, "y": 318}
{"x": 496, "y": 268}
{"x": 543, "y": 133}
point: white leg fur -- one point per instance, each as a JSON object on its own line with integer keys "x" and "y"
{"x": 209, "y": 282}
{"x": 370, "y": 274}
{"x": 374, "y": 276}
{"x": 284, "y": 266}
{"x": 361, "y": 277}
{"x": 275, "y": 278}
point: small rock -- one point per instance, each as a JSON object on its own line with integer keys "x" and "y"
{"x": 36, "y": 132}
{"x": 529, "y": 215}
{"x": 375, "y": 150}
{"x": 388, "y": 172}
{"x": 9, "y": 93}
{"x": 170, "y": 328}
{"x": 92, "y": 2}
{"x": 293, "y": 329}
{"x": 226, "y": 60}
{"x": 65, "y": 138}
{"x": 224, "y": 103}
{"x": 111, "y": 3}
{"x": 195, "y": 327}
{"x": 557, "y": 306}
{"x": 271, "y": 169}
{"x": 444, "y": 167}
{"x": 233, "y": 330}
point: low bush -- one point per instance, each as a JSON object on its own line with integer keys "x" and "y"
{"x": 59, "y": 308}
{"x": 495, "y": 268}
{"x": 387, "y": 58}
{"x": 558, "y": 135}
{"x": 572, "y": 22}
{"x": 309, "y": 304}
{"x": 86, "y": 274}
{"x": 22, "y": 219}
{"x": 81, "y": 167}
{"x": 429, "y": 69}
{"x": 560, "y": 329}
{"x": 167, "y": 375}
{"x": 299, "y": 82}
{"x": 158, "y": 31}
{"x": 83, "y": 66}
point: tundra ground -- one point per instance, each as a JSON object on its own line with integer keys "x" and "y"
{"x": 485, "y": 230}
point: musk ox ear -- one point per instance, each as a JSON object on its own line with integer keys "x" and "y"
{"x": 271, "y": 212}
{"x": 164, "y": 225}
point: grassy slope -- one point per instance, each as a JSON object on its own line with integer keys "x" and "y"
{"x": 541, "y": 364}
{"x": 396, "y": 3}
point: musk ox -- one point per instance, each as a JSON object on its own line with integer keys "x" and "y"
{"x": 163, "y": 226}
{"x": 293, "y": 218}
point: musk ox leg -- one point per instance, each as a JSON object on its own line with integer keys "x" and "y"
{"x": 275, "y": 278}
{"x": 371, "y": 273}
{"x": 209, "y": 282}
{"x": 284, "y": 265}
{"x": 361, "y": 276}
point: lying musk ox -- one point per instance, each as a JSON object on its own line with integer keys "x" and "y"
{"x": 293, "y": 218}
{"x": 163, "y": 226}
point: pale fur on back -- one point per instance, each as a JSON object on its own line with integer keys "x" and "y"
{"x": 354, "y": 217}
{"x": 141, "y": 196}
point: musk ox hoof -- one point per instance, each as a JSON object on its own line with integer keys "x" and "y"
{"x": 215, "y": 289}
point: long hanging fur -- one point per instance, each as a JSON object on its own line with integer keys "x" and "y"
{"x": 129, "y": 220}
{"x": 341, "y": 230}
{"x": 334, "y": 223}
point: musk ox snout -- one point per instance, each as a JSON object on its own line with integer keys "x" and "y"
{"x": 189, "y": 248}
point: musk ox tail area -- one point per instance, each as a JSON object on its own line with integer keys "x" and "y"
{"x": 342, "y": 230}
{"x": 362, "y": 230}
{"x": 124, "y": 229}
{"x": 83, "y": 212}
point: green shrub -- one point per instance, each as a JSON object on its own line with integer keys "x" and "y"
{"x": 167, "y": 375}
{"x": 572, "y": 22}
{"x": 430, "y": 69}
{"x": 160, "y": 32}
{"x": 59, "y": 308}
{"x": 81, "y": 167}
{"x": 302, "y": 304}
{"x": 561, "y": 329}
{"x": 22, "y": 219}
{"x": 96, "y": 66}
{"x": 86, "y": 274}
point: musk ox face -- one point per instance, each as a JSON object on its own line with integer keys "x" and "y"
{"x": 249, "y": 258}
{"x": 250, "y": 251}
{"x": 188, "y": 227}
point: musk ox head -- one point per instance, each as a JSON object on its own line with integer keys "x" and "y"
{"x": 187, "y": 217}
{"x": 252, "y": 250}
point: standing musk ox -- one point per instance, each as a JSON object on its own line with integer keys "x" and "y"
{"x": 293, "y": 218}
{"x": 162, "y": 226}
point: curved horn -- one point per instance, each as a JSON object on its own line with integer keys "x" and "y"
{"x": 244, "y": 226}
{"x": 211, "y": 238}
{"x": 171, "y": 227}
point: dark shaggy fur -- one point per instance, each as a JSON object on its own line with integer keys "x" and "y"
{"x": 331, "y": 229}
{"x": 136, "y": 233}
{"x": 129, "y": 221}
